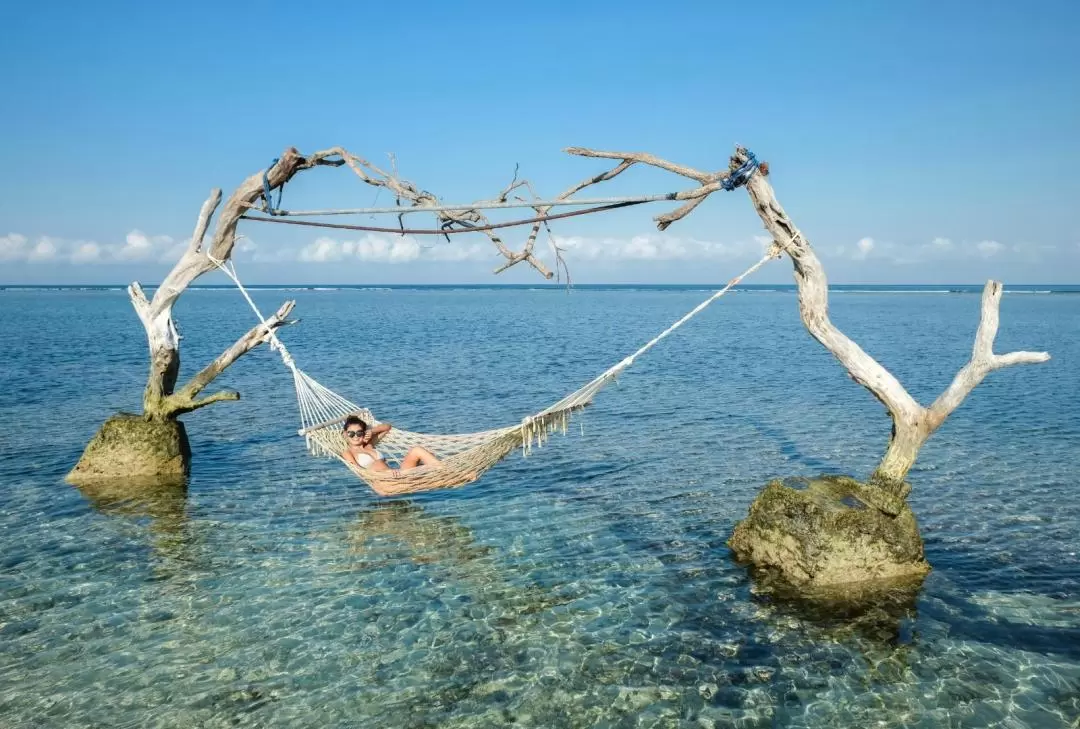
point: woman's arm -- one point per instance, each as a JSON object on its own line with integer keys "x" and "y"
{"x": 379, "y": 431}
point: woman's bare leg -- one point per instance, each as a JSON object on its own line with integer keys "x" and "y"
{"x": 418, "y": 456}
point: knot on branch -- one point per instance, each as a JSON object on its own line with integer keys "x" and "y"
{"x": 741, "y": 173}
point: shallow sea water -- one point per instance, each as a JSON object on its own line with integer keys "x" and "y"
{"x": 586, "y": 585}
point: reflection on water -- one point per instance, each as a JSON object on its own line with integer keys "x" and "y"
{"x": 879, "y": 613}
{"x": 392, "y": 531}
{"x": 159, "y": 504}
{"x": 400, "y": 526}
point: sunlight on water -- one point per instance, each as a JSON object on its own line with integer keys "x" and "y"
{"x": 587, "y": 585}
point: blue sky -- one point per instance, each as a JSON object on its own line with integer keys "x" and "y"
{"x": 922, "y": 142}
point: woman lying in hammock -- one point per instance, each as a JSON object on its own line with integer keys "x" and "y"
{"x": 362, "y": 454}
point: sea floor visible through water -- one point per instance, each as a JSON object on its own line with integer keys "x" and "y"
{"x": 586, "y": 585}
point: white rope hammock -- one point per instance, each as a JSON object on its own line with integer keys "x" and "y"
{"x": 462, "y": 457}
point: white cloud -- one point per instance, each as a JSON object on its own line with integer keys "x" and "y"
{"x": 380, "y": 249}
{"x": 140, "y": 247}
{"x": 395, "y": 249}
{"x": 44, "y": 250}
{"x": 86, "y": 253}
{"x": 655, "y": 247}
{"x": 383, "y": 249}
{"x": 939, "y": 249}
{"x": 13, "y": 247}
{"x": 137, "y": 246}
{"x": 322, "y": 250}
{"x": 370, "y": 248}
{"x": 459, "y": 251}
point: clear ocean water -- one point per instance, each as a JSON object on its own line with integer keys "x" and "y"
{"x": 587, "y": 585}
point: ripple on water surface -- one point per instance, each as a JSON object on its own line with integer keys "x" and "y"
{"x": 587, "y": 585}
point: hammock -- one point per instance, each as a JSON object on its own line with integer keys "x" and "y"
{"x": 463, "y": 458}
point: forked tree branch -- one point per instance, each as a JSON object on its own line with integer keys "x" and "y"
{"x": 983, "y": 360}
{"x": 912, "y": 423}
{"x": 203, "y": 223}
{"x": 813, "y": 293}
{"x": 184, "y": 400}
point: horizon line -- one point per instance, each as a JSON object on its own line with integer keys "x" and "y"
{"x": 519, "y": 284}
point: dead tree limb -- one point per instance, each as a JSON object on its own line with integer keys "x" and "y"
{"x": 710, "y": 182}
{"x": 185, "y": 399}
{"x": 912, "y": 424}
{"x": 200, "y": 258}
{"x": 462, "y": 219}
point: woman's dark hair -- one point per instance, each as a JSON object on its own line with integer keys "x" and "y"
{"x": 354, "y": 420}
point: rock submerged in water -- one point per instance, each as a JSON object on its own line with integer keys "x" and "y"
{"x": 827, "y": 536}
{"x": 130, "y": 446}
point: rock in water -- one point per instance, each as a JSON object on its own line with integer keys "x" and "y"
{"x": 825, "y": 535}
{"x": 130, "y": 446}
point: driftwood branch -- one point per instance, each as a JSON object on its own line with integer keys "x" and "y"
{"x": 254, "y": 337}
{"x": 403, "y": 189}
{"x": 983, "y": 360}
{"x": 191, "y": 405}
{"x": 646, "y": 159}
{"x": 710, "y": 182}
{"x": 913, "y": 424}
{"x": 200, "y": 258}
{"x": 203, "y": 223}
{"x": 813, "y": 294}
{"x": 139, "y": 301}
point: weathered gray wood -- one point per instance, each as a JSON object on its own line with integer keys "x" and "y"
{"x": 710, "y": 181}
{"x": 156, "y": 313}
{"x": 912, "y": 423}
{"x": 427, "y": 202}
{"x": 184, "y": 400}
{"x": 480, "y": 205}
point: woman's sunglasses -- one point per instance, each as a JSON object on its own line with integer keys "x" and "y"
{"x": 354, "y": 433}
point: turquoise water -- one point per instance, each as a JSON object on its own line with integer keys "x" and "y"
{"x": 587, "y": 585}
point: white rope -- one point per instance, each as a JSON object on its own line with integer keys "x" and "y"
{"x": 585, "y": 393}
{"x": 320, "y": 406}
{"x": 229, "y": 269}
{"x": 692, "y": 313}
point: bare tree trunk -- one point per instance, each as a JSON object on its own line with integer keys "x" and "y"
{"x": 912, "y": 423}
{"x": 813, "y": 536}
{"x": 904, "y": 445}
{"x": 164, "y": 344}
{"x": 155, "y": 445}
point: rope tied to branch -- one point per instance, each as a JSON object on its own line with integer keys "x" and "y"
{"x": 742, "y": 174}
{"x": 268, "y": 204}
